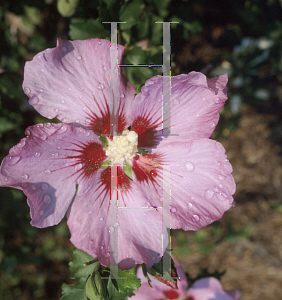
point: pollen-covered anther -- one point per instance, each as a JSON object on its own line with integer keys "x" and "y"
{"x": 123, "y": 147}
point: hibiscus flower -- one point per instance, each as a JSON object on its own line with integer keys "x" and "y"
{"x": 208, "y": 288}
{"x": 64, "y": 168}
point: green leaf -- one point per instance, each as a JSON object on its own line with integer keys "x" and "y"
{"x": 113, "y": 293}
{"x": 67, "y": 7}
{"x": 125, "y": 286}
{"x": 127, "y": 170}
{"x": 77, "y": 267}
{"x": 74, "y": 291}
{"x": 85, "y": 29}
{"x": 95, "y": 288}
{"x": 104, "y": 140}
{"x": 130, "y": 13}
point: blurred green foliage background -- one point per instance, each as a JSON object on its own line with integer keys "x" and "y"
{"x": 242, "y": 38}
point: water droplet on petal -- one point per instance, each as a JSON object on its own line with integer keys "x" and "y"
{"x": 27, "y": 90}
{"x": 62, "y": 129}
{"x": 176, "y": 101}
{"x": 56, "y": 154}
{"x": 107, "y": 254}
{"x": 153, "y": 258}
{"x": 116, "y": 224}
{"x": 189, "y": 166}
{"x": 209, "y": 194}
{"x": 56, "y": 110}
{"x": 90, "y": 212}
{"x": 12, "y": 160}
{"x": 105, "y": 68}
{"x": 48, "y": 172}
{"x": 44, "y": 186}
{"x": 25, "y": 176}
{"x": 47, "y": 199}
{"x": 221, "y": 196}
{"x": 190, "y": 205}
{"x": 33, "y": 187}
{"x": 196, "y": 218}
{"x": 42, "y": 70}
{"x": 212, "y": 125}
{"x": 24, "y": 185}
{"x": 203, "y": 98}
{"x": 5, "y": 179}
{"x": 62, "y": 101}
{"x": 216, "y": 100}
{"x": 101, "y": 219}
{"x": 33, "y": 100}
{"x": 43, "y": 137}
{"x": 102, "y": 247}
{"x": 64, "y": 50}
{"x": 78, "y": 57}
{"x": 221, "y": 177}
{"x": 41, "y": 90}
{"x": 220, "y": 185}
{"x": 122, "y": 95}
{"x": 173, "y": 209}
{"x": 78, "y": 167}
{"x": 37, "y": 154}
{"x": 87, "y": 120}
{"x": 111, "y": 231}
{"x": 22, "y": 143}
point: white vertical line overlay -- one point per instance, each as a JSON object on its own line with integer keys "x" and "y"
{"x": 166, "y": 93}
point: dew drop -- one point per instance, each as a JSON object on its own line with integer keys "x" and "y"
{"x": 209, "y": 194}
{"x": 44, "y": 186}
{"x": 107, "y": 254}
{"x": 101, "y": 219}
{"x": 190, "y": 205}
{"x": 56, "y": 110}
{"x": 43, "y": 137}
{"x": 196, "y": 218}
{"x": 153, "y": 258}
{"x": 25, "y": 176}
{"x": 122, "y": 95}
{"x": 173, "y": 210}
{"x": 99, "y": 42}
{"x": 41, "y": 90}
{"x": 216, "y": 100}
{"x": 212, "y": 125}
{"x": 58, "y": 148}
{"x": 87, "y": 120}
{"x": 47, "y": 172}
{"x": 47, "y": 199}
{"x": 105, "y": 68}
{"x": 78, "y": 57}
{"x": 33, "y": 187}
{"x": 24, "y": 185}
{"x": 62, "y": 129}
{"x": 37, "y": 154}
{"x": 33, "y": 100}
{"x": 27, "y": 90}
{"x": 221, "y": 177}
{"x": 42, "y": 70}
{"x": 220, "y": 185}
{"x": 116, "y": 225}
{"x": 203, "y": 98}
{"x": 102, "y": 247}
{"x": 22, "y": 143}
{"x": 12, "y": 160}
{"x": 62, "y": 101}
{"x": 78, "y": 167}
{"x": 176, "y": 101}
{"x": 90, "y": 212}
{"x": 41, "y": 212}
{"x": 5, "y": 179}
{"x": 64, "y": 50}
{"x": 221, "y": 196}
{"x": 189, "y": 166}
{"x": 56, "y": 154}
{"x": 193, "y": 198}
{"x": 111, "y": 231}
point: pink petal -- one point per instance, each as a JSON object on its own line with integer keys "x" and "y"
{"x": 44, "y": 166}
{"x": 201, "y": 185}
{"x": 195, "y": 105}
{"x": 139, "y": 227}
{"x": 208, "y": 288}
{"x": 72, "y": 82}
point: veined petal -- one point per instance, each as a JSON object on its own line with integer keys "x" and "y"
{"x": 198, "y": 177}
{"x": 72, "y": 82}
{"x": 194, "y": 108}
{"x": 139, "y": 228}
{"x": 46, "y": 166}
